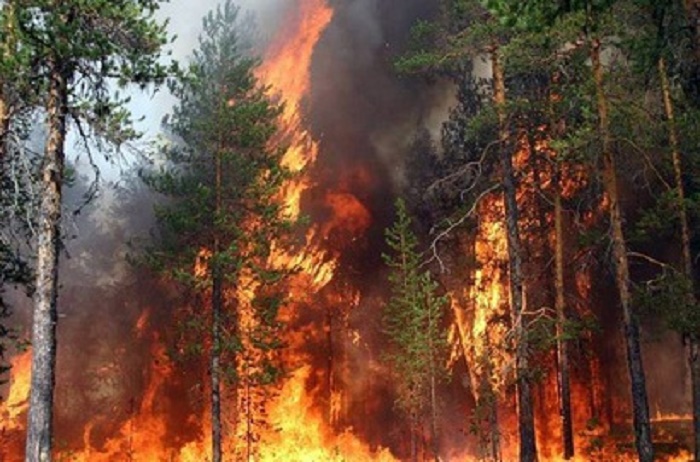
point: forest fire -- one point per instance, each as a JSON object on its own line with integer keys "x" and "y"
{"x": 297, "y": 427}
{"x": 15, "y": 405}
{"x": 337, "y": 397}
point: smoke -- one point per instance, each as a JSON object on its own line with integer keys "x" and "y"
{"x": 365, "y": 117}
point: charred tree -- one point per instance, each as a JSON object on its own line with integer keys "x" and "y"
{"x": 562, "y": 346}
{"x": 563, "y": 380}
{"x": 693, "y": 339}
{"x": 640, "y": 404}
{"x": 526, "y": 417}
{"x": 217, "y": 300}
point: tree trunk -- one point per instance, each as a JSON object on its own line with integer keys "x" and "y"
{"x": 693, "y": 341}
{"x": 216, "y": 305}
{"x": 433, "y": 419}
{"x": 562, "y": 344}
{"x": 640, "y": 404}
{"x": 526, "y": 417}
{"x": 433, "y": 386}
{"x": 217, "y": 301}
{"x": 414, "y": 437}
{"x": 39, "y": 424}
{"x": 4, "y": 126}
{"x": 249, "y": 402}
{"x": 694, "y": 363}
{"x": 330, "y": 366}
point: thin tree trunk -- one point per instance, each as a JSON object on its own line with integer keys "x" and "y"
{"x": 4, "y": 126}
{"x": 495, "y": 430}
{"x": 330, "y": 366}
{"x": 414, "y": 437}
{"x": 433, "y": 380}
{"x": 216, "y": 305}
{"x": 640, "y": 403}
{"x": 563, "y": 370}
{"x": 488, "y": 398}
{"x": 40, "y": 425}
{"x": 694, "y": 362}
{"x": 217, "y": 301}
{"x": 433, "y": 418}
{"x": 562, "y": 344}
{"x": 526, "y": 417}
{"x": 693, "y": 341}
{"x": 249, "y": 408}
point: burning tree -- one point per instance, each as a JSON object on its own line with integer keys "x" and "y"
{"x": 223, "y": 175}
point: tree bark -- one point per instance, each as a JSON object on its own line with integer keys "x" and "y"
{"x": 562, "y": 345}
{"x": 330, "y": 366}
{"x": 414, "y": 436}
{"x": 433, "y": 385}
{"x": 640, "y": 403}
{"x": 216, "y": 305}
{"x": 4, "y": 125}
{"x": 693, "y": 341}
{"x": 526, "y": 417}
{"x": 39, "y": 424}
{"x": 215, "y": 366}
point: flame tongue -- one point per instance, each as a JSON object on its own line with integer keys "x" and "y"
{"x": 299, "y": 430}
{"x": 287, "y": 64}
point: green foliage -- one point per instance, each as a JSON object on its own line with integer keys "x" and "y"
{"x": 541, "y": 14}
{"x": 447, "y": 46}
{"x": 666, "y": 297}
{"x": 222, "y": 178}
{"x": 412, "y": 319}
{"x": 15, "y": 265}
{"x": 99, "y": 47}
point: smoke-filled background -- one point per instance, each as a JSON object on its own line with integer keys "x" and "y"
{"x": 115, "y": 320}
{"x": 112, "y": 314}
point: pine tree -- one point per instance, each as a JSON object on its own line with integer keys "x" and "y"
{"x": 223, "y": 177}
{"x": 79, "y": 52}
{"x": 413, "y": 321}
{"x": 660, "y": 42}
{"x": 16, "y": 167}
{"x": 469, "y": 31}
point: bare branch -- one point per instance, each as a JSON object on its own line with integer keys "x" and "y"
{"x": 444, "y": 233}
{"x": 648, "y": 162}
{"x": 651, "y": 260}
{"x": 474, "y": 168}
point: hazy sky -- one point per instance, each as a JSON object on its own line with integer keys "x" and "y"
{"x": 185, "y": 21}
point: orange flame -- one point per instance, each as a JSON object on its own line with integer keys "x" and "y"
{"x": 17, "y": 398}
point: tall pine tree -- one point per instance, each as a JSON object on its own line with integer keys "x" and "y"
{"x": 223, "y": 177}
{"x": 78, "y": 54}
